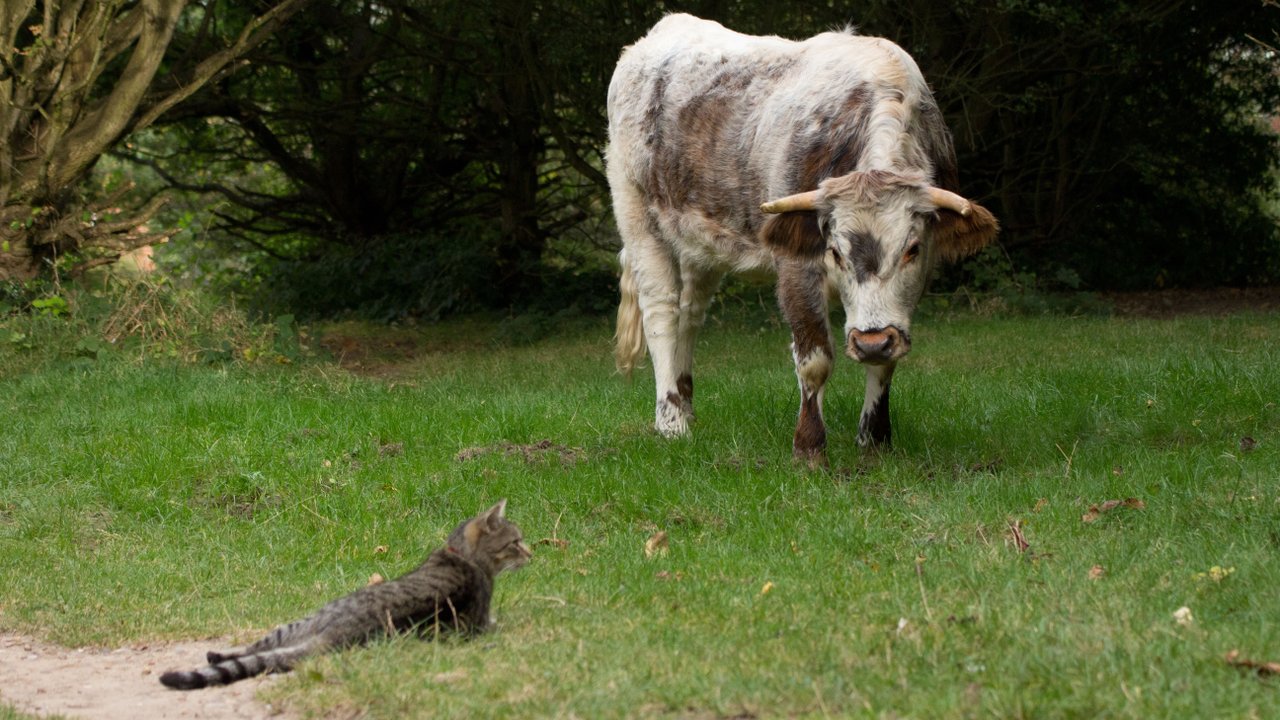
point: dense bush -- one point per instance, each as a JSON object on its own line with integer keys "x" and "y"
{"x": 388, "y": 277}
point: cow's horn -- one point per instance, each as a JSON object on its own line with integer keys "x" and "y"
{"x": 949, "y": 200}
{"x": 791, "y": 203}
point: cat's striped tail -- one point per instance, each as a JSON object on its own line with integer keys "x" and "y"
{"x": 233, "y": 668}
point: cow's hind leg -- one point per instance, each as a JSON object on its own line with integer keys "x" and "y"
{"x": 656, "y": 280}
{"x": 802, "y": 296}
{"x": 658, "y": 286}
{"x": 698, "y": 285}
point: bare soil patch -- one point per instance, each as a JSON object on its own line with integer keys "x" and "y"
{"x": 392, "y": 352}
{"x": 531, "y": 452}
{"x": 120, "y": 683}
{"x": 1171, "y": 303}
{"x": 371, "y": 356}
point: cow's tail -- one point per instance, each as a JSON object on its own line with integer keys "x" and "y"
{"x": 628, "y": 349}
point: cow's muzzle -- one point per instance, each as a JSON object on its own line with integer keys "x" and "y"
{"x": 879, "y": 346}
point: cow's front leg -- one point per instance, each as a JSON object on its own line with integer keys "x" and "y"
{"x": 802, "y": 295}
{"x": 873, "y": 426}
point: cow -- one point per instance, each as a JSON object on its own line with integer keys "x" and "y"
{"x": 824, "y": 160}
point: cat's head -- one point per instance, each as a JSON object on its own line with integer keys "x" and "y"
{"x": 492, "y": 540}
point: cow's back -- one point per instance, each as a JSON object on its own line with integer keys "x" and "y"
{"x": 706, "y": 120}
{"x": 678, "y": 88}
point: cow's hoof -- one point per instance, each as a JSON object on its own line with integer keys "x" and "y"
{"x": 812, "y": 458}
{"x": 671, "y": 419}
{"x": 870, "y": 442}
{"x": 672, "y": 432}
{"x": 672, "y": 426}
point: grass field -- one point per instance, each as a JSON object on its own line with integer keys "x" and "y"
{"x": 961, "y": 574}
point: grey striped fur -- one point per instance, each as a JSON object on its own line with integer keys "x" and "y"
{"x": 449, "y": 592}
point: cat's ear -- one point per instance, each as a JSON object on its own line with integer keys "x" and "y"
{"x": 485, "y": 522}
{"x": 493, "y": 514}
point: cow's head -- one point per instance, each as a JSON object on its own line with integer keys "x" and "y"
{"x": 882, "y": 233}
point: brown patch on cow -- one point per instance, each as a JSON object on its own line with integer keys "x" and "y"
{"x": 795, "y": 233}
{"x": 958, "y": 236}
{"x": 838, "y": 144}
{"x": 832, "y": 151}
{"x": 802, "y": 299}
{"x": 865, "y": 255}
{"x": 801, "y": 288}
{"x": 684, "y": 384}
{"x": 697, "y": 164}
{"x": 810, "y": 439}
{"x": 653, "y": 114}
{"x": 684, "y": 164}
{"x": 680, "y": 404}
{"x": 810, "y": 334}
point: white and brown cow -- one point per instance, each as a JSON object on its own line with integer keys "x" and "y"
{"x": 840, "y": 139}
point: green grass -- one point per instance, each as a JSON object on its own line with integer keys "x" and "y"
{"x": 165, "y": 500}
{"x": 8, "y": 713}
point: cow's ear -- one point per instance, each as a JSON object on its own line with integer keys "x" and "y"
{"x": 794, "y": 233}
{"x": 959, "y": 236}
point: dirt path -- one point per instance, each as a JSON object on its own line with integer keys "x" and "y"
{"x": 1173, "y": 303}
{"x": 118, "y": 684}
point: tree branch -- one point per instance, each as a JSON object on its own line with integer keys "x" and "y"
{"x": 253, "y": 34}
{"x": 105, "y": 124}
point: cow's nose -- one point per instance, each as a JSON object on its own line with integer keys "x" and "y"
{"x": 877, "y": 346}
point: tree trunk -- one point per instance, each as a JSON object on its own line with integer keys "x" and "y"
{"x": 523, "y": 239}
{"x": 62, "y": 105}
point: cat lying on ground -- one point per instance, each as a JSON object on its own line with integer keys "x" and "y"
{"x": 451, "y": 590}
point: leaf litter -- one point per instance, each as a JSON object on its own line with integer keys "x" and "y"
{"x": 656, "y": 545}
{"x": 1096, "y": 511}
{"x": 1262, "y": 668}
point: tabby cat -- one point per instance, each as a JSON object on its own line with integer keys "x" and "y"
{"x": 451, "y": 590}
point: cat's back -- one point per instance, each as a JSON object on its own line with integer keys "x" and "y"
{"x": 444, "y": 571}
{"x": 443, "y": 587}
{"x": 445, "y": 577}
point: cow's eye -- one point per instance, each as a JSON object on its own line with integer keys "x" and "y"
{"x": 835, "y": 256}
{"x": 912, "y": 251}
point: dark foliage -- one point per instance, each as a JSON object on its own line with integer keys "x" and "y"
{"x": 389, "y": 277}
